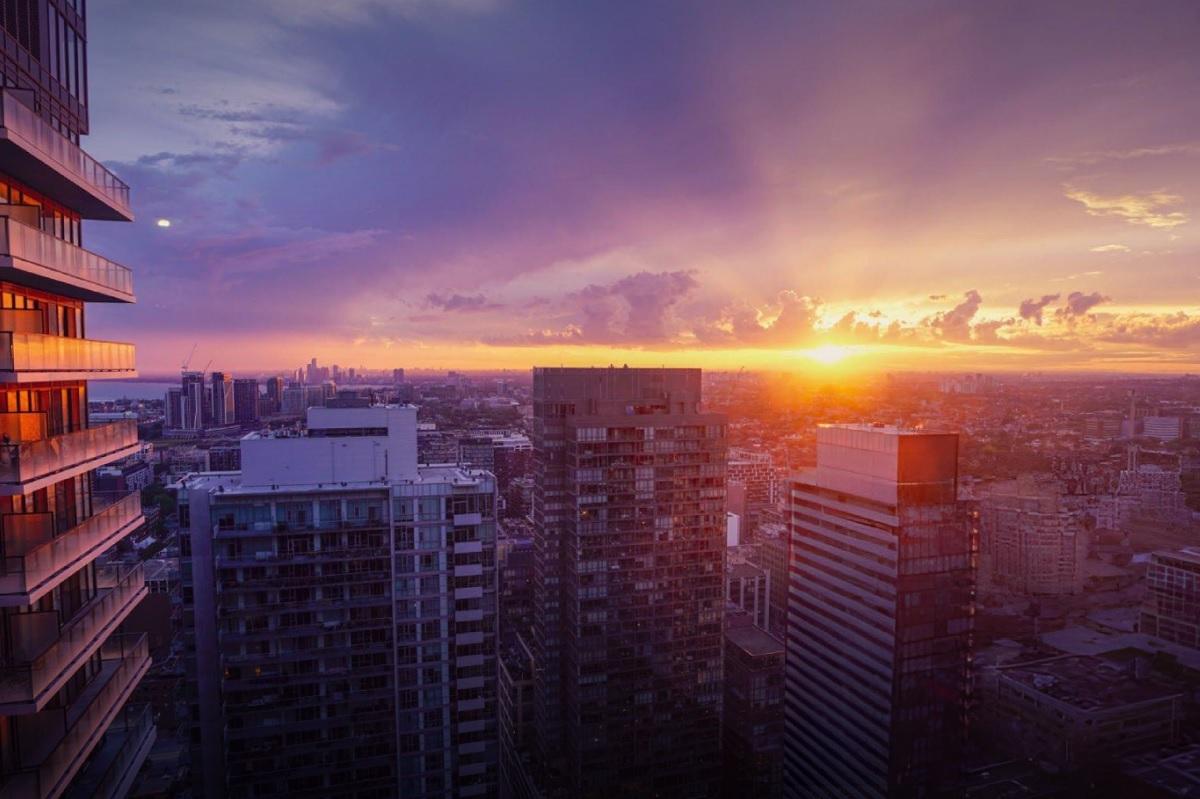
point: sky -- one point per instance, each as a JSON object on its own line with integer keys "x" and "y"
{"x": 497, "y": 183}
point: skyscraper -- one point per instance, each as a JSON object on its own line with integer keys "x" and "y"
{"x": 66, "y": 674}
{"x": 629, "y": 541}
{"x": 879, "y": 616}
{"x": 245, "y": 400}
{"x": 275, "y": 393}
{"x": 196, "y": 404}
{"x": 341, "y": 602}
{"x": 222, "y": 399}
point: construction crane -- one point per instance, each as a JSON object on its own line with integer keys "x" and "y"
{"x": 204, "y": 371}
{"x": 188, "y": 359}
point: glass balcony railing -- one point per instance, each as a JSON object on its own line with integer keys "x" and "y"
{"x": 58, "y": 167}
{"x": 117, "y": 759}
{"x": 61, "y": 267}
{"x": 56, "y": 742}
{"x": 34, "y": 556}
{"x": 21, "y": 464}
{"x": 121, "y": 589}
{"x": 36, "y": 352}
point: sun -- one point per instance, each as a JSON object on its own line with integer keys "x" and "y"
{"x": 828, "y": 353}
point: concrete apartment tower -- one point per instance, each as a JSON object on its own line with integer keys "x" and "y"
{"x": 880, "y": 607}
{"x": 629, "y": 546}
{"x": 67, "y": 673}
{"x": 341, "y": 602}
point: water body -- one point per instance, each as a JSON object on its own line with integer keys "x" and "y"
{"x": 108, "y": 390}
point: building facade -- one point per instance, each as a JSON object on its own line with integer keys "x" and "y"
{"x": 1172, "y": 606}
{"x": 629, "y": 539}
{"x": 67, "y": 672}
{"x": 1033, "y": 539}
{"x": 880, "y": 612}
{"x": 222, "y": 399}
{"x": 245, "y": 400}
{"x": 342, "y": 606}
{"x": 752, "y": 742}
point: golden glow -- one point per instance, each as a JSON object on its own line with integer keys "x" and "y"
{"x": 829, "y": 354}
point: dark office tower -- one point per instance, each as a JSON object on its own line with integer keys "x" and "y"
{"x": 397, "y": 376}
{"x": 629, "y": 541}
{"x": 67, "y": 674}
{"x": 879, "y": 618}
{"x": 275, "y": 393}
{"x": 753, "y": 725}
{"x": 341, "y": 602}
{"x": 222, "y": 399}
{"x": 245, "y": 400}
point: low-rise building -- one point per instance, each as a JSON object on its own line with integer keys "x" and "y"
{"x": 1074, "y": 711}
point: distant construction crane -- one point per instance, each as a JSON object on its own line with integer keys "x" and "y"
{"x": 187, "y": 361}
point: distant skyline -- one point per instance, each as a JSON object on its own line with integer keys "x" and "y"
{"x": 482, "y": 184}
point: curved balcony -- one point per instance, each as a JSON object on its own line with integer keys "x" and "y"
{"x": 52, "y": 654}
{"x": 33, "y": 258}
{"x": 26, "y": 467}
{"x": 36, "y": 154}
{"x": 36, "y": 559}
{"x": 55, "y": 743}
{"x": 39, "y": 358}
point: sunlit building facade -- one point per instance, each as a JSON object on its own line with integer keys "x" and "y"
{"x": 67, "y": 672}
{"x": 881, "y": 599}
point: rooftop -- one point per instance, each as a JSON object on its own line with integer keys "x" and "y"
{"x": 1177, "y": 773}
{"x": 1189, "y": 554}
{"x": 744, "y": 571}
{"x": 754, "y": 641}
{"x": 1088, "y": 682}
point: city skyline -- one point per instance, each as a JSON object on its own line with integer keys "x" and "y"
{"x": 497, "y": 184}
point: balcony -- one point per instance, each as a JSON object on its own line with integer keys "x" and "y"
{"x": 26, "y": 467}
{"x": 116, "y": 761}
{"x": 37, "y": 358}
{"x": 52, "y": 745}
{"x": 53, "y": 655}
{"x": 36, "y": 154}
{"x": 35, "y": 559}
{"x": 33, "y": 258}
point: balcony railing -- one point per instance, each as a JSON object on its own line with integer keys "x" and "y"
{"x": 57, "y": 166}
{"x": 34, "y": 556}
{"x": 22, "y": 464}
{"x": 61, "y": 267}
{"x": 117, "y": 759}
{"x": 39, "y": 353}
{"x": 121, "y": 589}
{"x": 55, "y": 743}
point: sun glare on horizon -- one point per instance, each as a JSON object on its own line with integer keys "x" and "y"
{"x": 829, "y": 354}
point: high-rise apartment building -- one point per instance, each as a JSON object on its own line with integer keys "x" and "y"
{"x": 342, "y": 606}
{"x": 275, "y": 394}
{"x": 66, "y": 672}
{"x": 245, "y": 400}
{"x": 1172, "y": 606}
{"x": 879, "y": 619}
{"x": 222, "y": 399}
{"x": 196, "y": 402}
{"x": 629, "y": 544}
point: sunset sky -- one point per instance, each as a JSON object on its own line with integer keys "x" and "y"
{"x": 477, "y": 184}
